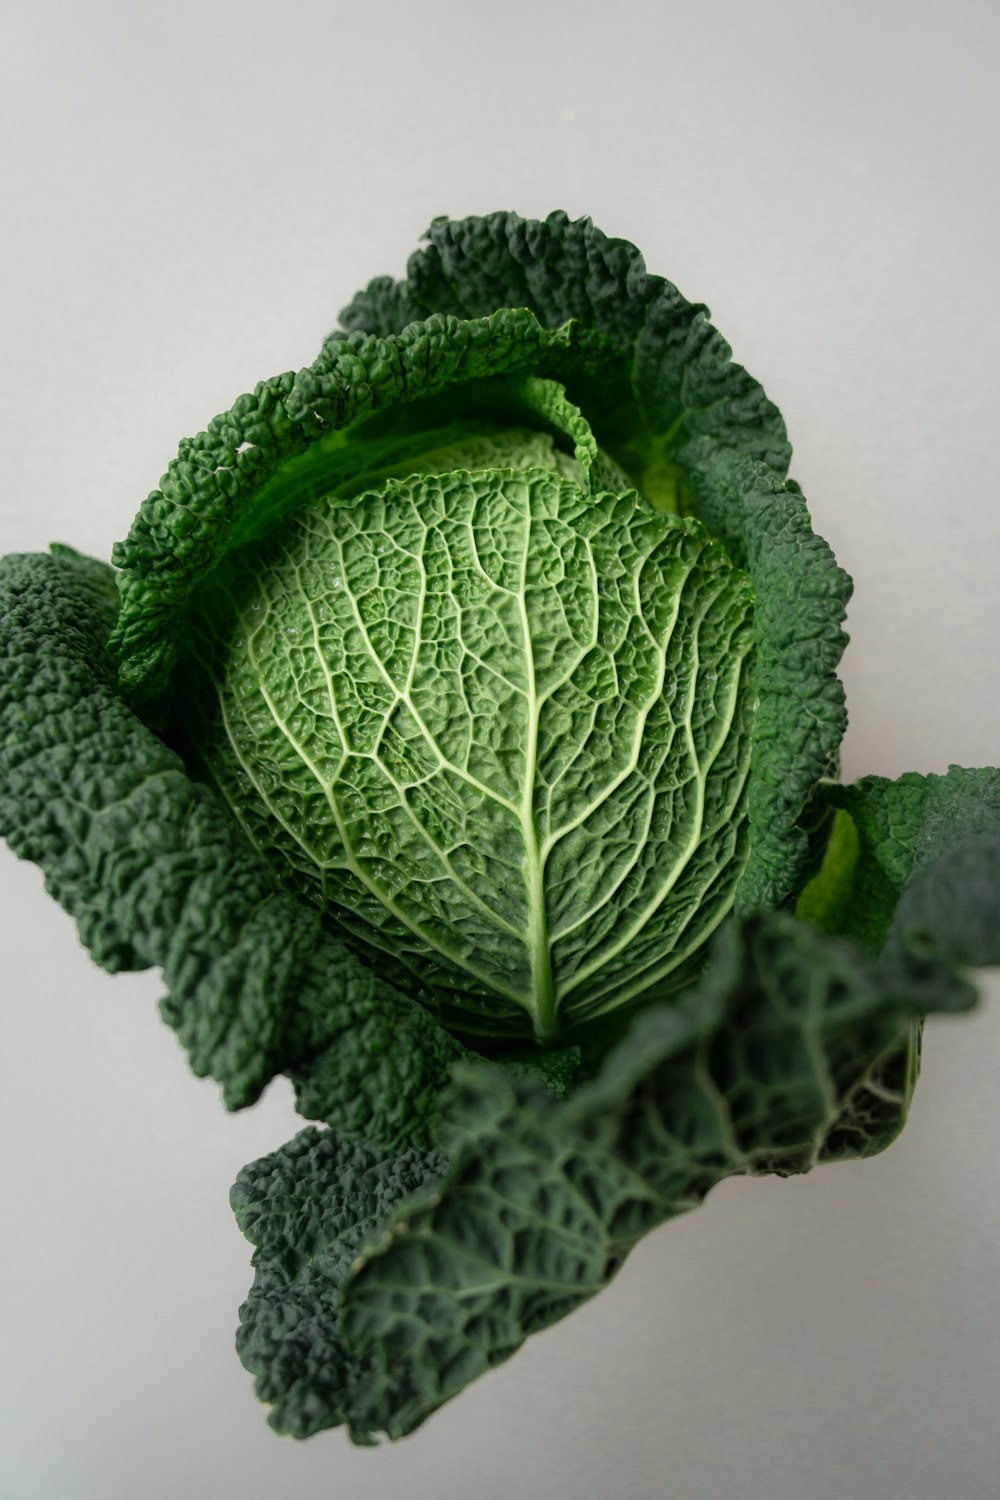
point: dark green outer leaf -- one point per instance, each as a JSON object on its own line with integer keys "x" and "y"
{"x": 885, "y": 831}
{"x": 785, "y": 1054}
{"x": 289, "y": 1335}
{"x": 185, "y": 526}
{"x": 155, "y": 872}
{"x": 801, "y": 599}
{"x": 754, "y": 1073}
{"x": 914, "y": 819}
{"x": 679, "y": 367}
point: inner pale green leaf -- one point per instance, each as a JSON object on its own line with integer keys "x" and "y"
{"x": 497, "y": 728}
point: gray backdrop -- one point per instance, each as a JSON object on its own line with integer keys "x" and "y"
{"x": 190, "y": 193}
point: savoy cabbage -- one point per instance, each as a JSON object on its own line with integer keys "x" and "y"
{"x": 458, "y": 729}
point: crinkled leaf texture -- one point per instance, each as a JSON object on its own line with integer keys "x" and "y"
{"x": 156, "y": 872}
{"x": 779, "y": 1058}
{"x": 492, "y": 302}
{"x": 511, "y": 759}
{"x": 579, "y": 433}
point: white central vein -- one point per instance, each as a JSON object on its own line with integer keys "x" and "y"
{"x": 543, "y": 999}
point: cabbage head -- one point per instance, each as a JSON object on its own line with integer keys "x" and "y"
{"x": 457, "y": 728}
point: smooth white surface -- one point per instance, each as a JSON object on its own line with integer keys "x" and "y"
{"x": 190, "y": 194}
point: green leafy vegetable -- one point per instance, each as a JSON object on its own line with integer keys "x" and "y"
{"x": 457, "y": 731}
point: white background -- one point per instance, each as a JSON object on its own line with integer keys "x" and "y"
{"x": 190, "y": 193}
